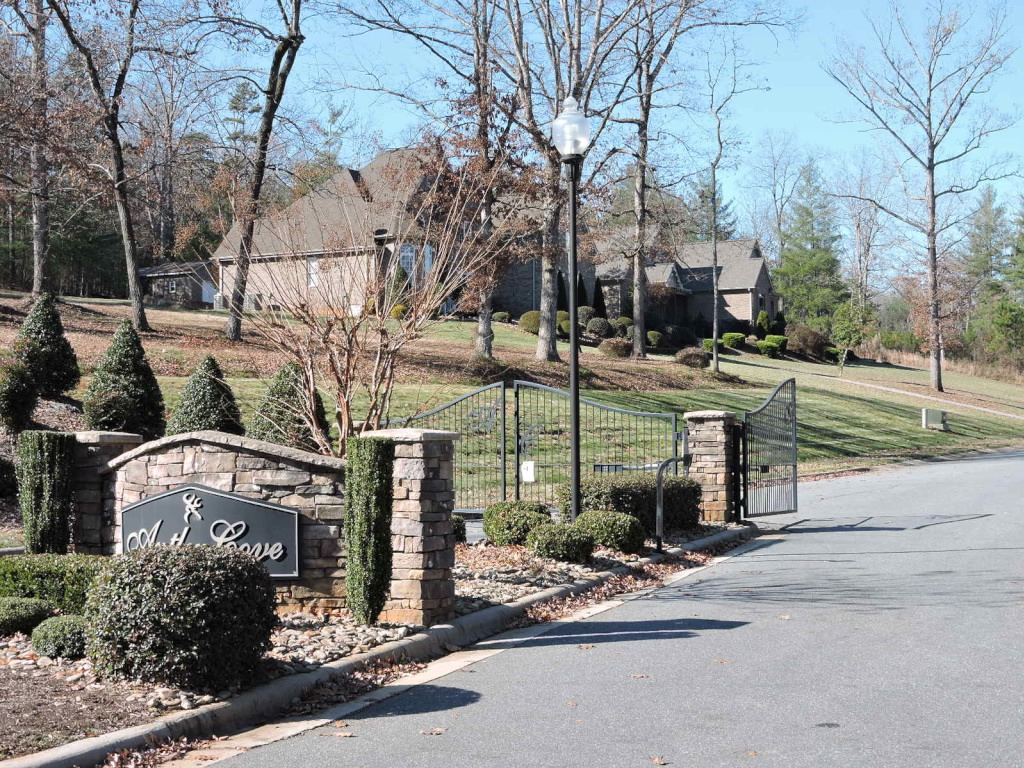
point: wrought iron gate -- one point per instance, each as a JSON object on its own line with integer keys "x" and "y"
{"x": 768, "y": 470}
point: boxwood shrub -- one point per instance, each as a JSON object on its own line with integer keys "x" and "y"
{"x": 530, "y": 322}
{"x": 614, "y": 530}
{"x": 560, "y": 542}
{"x": 196, "y": 617}
{"x": 654, "y": 338}
{"x": 693, "y": 357}
{"x": 636, "y": 494}
{"x": 62, "y": 580}
{"x": 45, "y": 464}
{"x": 600, "y": 328}
{"x": 44, "y": 349}
{"x": 60, "y": 637}
{"x": 708, "y": 345}
{"x": 207, "y": 402}
{"x": 782, "y": 341}
{"x": 768, "y": 348}
{"x": 521, "y": 506}
{"x": 584, "y": 315}
{"x": 18, "y": 396}
{"x": 508, "y": 527}
{"x": 500, "y": 317}
{"x": 615, "y": 347}
{"x": 459, "y": 529}
{"x": 733, "y": 340}
{"x": 22, "y": 614}
{"x": 368, "y": 497}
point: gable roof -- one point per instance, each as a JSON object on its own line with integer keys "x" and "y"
{"x": 197, "y": 269}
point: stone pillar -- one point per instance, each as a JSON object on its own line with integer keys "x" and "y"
{"x": 712, "y": 444}
{"x": 92, "y": 452}
{"x": 422, "y": 587}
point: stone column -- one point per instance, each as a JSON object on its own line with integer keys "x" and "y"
{"x": 712, "y": 437}
{"x": 92, "y": 452}
{"x": 422, "y": 588}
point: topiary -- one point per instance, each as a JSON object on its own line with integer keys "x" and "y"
{"x": 511, "y": 526}
{"x": 693, "y": 357}
{"x": 627, "y": 321}
{"x": 613, "y": 530}
{"x": 283, "y": 414}
{"x": 459, "y": 529}
{"x": 45, "y": 466}
{"x": 636, "y": 494}
{"x": 560, "y": 542}
{"x": 763, "y": 326}
{"x": 584, "y": 315}
{"x": 44, "y": 349}
{"x": 22, "y": 614}
{"x": 599, "y": 327}
{"x": 196, "y": 617}
{"x": 618, "y": 327}
{"x": 562, "y": 316}
{"x": 530, "y": 322}
{"x": 18, "y": 396}
{"x": 123, "y": 395}
{"x": 368, "y": 494}
{"x": 61, "y": 580}
{"x": 734, "y": 340}
{"x": 398, "y": 311}
{"x": 500, "y": 317}
{"x": 781, "y": 341}
{"x": 60, "y": 637}
{"x": 615, "y": 347}
{"x": 768, "y": 348}
{"x": 654, "y": 339}
{"x": 207, "y": 402}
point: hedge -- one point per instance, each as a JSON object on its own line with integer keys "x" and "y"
{"x": 22, "y": 614}
{"x": 44, "y": 349}
{"x": 63, "y": 580}
{"x": 768, "y": 348}
{"x": 60, "y": 637}
{"x": 500, "y": 317}
{"x": 782, "y": 341}
{"x": 806, "y": 341}
{"x": 636, "y": 494}
{"x": 521, "y": 505}
{"x": 530, "y": 322}
{"x": 560, "y": 542}
{"x": 45, "y": 464}
{"x": 613, "y": 530}
{"x": 368, "y": 495}
{"x": 459, "y": 529}
{"x": 733, "y": 340}
{"x": 509, "y": 527}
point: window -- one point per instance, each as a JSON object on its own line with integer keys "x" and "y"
{"x": 760, "y": 301}
{"x": 407, "y": 260}
{"x": 312, "y": 271}
{"x": 172, "y": 286}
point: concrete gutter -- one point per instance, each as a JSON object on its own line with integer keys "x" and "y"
{"x": 12, "y": 551}
{"x": 264, "y": 702}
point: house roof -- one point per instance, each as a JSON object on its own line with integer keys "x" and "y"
{"x": 197, "y": 269}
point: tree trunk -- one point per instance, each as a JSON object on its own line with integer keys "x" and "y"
{"x": 124, "y": 216}
{"x": 640, "y": 253}
{"x": 484, "y": 330}
{"x": 934, "y": 315}
{"x": 547, "y": 348}
{"x": 10, "y": 244}
{"x": 38, "y": 161}
{"x": 714, "y": 260}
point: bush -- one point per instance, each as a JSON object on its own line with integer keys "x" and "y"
{"x": 693, "y": 357}
{"x": 459, "y": 529}
{"x": 398, "y": 311}
{"x": 530, "y": 322}
{"x": 806, "y": 341}
{"x": 45, "y": 464}
{"x": 629, "y": 333}
{"x": 779, "y": 325}
{"x": 8, "y": 478}
{"x": 61, "y": 580}
{"x": 781, "y": 341}
{"x": 561, "y": 316}
{"x": 282, "y": 416}
{"x": 564, "y": 329}
{"x": 123, "y": 395}
{"x": 368, "y": 495}
{"x": 733, "y": 340}
{"x": 679, "y": 336}
{"x": 44, "y": 349}
{"x": 613, "y": 530}
{"x": 560, "y": 542}
{"x": 763, "y": 326}
{"x": 22, "y": 614}
{"x": 520, "y": 506}
{"x": 207, "y": 402}
{"x": 768, "y": 348}
{"x": 618, "y": 327}
{"x": 904, "y": 341}
{"x": 584, "y": 315}
{"x": 636, "y": 495}
{"x": 60, "y": 637}
{"x": 18, "y": 396}
{"x": 654, "y": 339}
{"x": 708, "y": 345}
{"x": 600, "y": 328}
{"x": 831, "y": 354}
{"x": 510, "y": 526}
{"x": 195, "y": 617}
{"x": 500, "y": 317}
{"x": 615, "y": 347}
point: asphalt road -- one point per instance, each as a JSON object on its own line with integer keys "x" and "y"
{"x": 883, "y": 627}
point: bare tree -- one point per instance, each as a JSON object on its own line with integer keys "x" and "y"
{"x": 868, "y": 227}
{"x": 923, "y": 89}
{"x": 775, "y": 171}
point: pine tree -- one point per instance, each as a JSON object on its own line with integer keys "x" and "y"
{"x": 207, "y": 402}
{"x": 697, "y": 221}
{"x": 988, "y": 240}
{"x": 44, "y": 349}
{"x": 599, "y": 306}
{"x": 282, "y": 414}
{"x": 563, "y": 297}
{"x": 809, "y": 274}
{"x": 124, "y": 395}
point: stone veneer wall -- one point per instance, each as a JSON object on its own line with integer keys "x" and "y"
{"x": 711, "y": 438}
{"x": 93, "y": 534}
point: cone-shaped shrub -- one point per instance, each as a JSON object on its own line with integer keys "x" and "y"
{"x": 44, "y": 349}
{"x": 45, "y": 463}
{"x": 18, "y": 396}
{"x": 123, "y": 395}
{"x": 368, "y": 496}
{"x": 282, "y": 414}
{"x": 207, "y": 402}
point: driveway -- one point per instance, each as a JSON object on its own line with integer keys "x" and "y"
{"x": 882, "y": 626}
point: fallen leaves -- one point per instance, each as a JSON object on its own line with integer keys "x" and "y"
{"x": 639, "y": 676}
{"x": 434, "y": 732}
{"x": 782, "y": 618}
{"x": 722, "y": 661}
{"x": 340, "y": 735}
{"x": 658, "y": 760}
{"x": 571, "y": 704}
{"x": 585, "y": 647}
{"x": 752, "y": 753}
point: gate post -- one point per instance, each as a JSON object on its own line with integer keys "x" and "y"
{"x": 713, "y": 446}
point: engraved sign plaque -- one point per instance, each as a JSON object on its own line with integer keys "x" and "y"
{"x": 195, "y": 514}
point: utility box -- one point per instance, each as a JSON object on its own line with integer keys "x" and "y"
{"x": 932, "y": 418}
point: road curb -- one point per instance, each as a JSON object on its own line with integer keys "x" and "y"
{"x": 267, "y": 700}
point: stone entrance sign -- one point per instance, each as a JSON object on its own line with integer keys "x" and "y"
{"x": 195, "y": 514}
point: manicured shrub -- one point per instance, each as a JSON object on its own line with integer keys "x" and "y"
{"x": 806, "y": 341}
{"x": 61, "y": 580}
{"x": 629, "y": 332}
{"x": 459, "y": 529}
{"x": 768, "y": 348}
{"x": 779, "y": 324}
{"x": 44, "y": 349}
{"x": 679, "y": 336}
{"x": 22, "y": 614}
{"x": 123, "y": 395}
{"x": 654, "y": 339}
{"x": 584, "y": 315}
{"x": 18, "y": 396}
{"x": 636, "y": 494}
{"x": 564, "y": 329}
{"x": 45, "y": 464}
{"x": 511, "y": 526}
{"x": 561, "y": 316}
{"x": 781, "y": 341}
{"x": 398, "y": 311}
{"x": 600, "y": 309}
{"x": 283, "y": 414}
{"x": 500, "y": 317}
{"x": 615, "y": 347}
{"x": 733, "y": 340}
{"x": 60, "y": 637}
{"x": 522, "y": 505}
{"x": 618, "y": 327}
{"x": 368, "y": 495}
{"x": 196, "y": 617}
{"x": 831, "y": 354}
{"x": 530, "y": 322}
{"x": 613, "y": 530}
{"x": 708, "y": 345}
{"x": 600, "y": 328}
{"x": 763, "y": 325}
{"x": 693, "y": 357}
{"x": 207, "y": 402}
{"x": 560, "y": 542}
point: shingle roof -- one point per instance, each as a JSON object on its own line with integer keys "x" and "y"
{"x": 200, "y": 269}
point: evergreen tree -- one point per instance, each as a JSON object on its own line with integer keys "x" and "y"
{"x": 282, "y": 414}
{"x": 124, "y": 395}
{"x": 1015, "y": 262}
{"x": 988, "y": 241}
{"x": 809, "y": 273}
{"x": 207, "y": 402}
{"x": 697, "y": 216}
{"x": 581, "y": 291}
{"x": 600, "y": 310}
{"x": 563, "y": 297}
{"x": 44, "y": 349}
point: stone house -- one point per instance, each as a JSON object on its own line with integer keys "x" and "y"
{"x": 187, "y": 284}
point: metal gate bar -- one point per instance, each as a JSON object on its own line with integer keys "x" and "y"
{"x": 769, "y": 467}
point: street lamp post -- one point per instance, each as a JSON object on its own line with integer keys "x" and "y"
{"x": 570, "y": 133}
